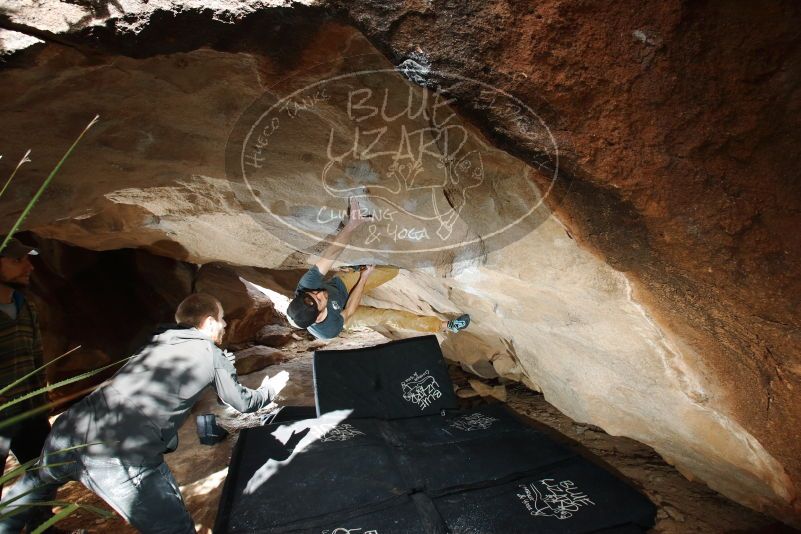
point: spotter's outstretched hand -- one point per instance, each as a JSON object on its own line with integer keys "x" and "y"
{"x": 276, "y": 382}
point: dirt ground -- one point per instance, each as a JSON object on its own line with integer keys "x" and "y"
{"x": 683, "y": 506}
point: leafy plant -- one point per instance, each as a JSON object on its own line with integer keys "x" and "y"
{"x": 67, "y": 508}
{"x": 44, "y": 185}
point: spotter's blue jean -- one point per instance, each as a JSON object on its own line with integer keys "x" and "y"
{"x": 146, "y": 496}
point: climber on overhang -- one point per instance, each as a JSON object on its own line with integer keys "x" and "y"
{"x": 326, "y": 307}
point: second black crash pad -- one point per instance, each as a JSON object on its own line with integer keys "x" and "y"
{"x": 405, "y": 378}
{"x": 470, "y": 471}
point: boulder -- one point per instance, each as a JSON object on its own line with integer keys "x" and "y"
{"x": 257, "y": 358}
{"x": 466, "y": 393}
{"x": 107, "y": 304}
{"x": 652, "y": 292}
{"x": 274, "y": 335}
{"x": 247, "y": 310}
{"x": 486, "y": 390}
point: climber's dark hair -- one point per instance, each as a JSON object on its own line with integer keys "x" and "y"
{"x": 194, "y": 309}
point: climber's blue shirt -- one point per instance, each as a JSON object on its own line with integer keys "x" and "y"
{"x": 337, "y": 297}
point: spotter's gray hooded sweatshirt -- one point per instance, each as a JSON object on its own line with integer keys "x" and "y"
{"x": 135, "y": 416}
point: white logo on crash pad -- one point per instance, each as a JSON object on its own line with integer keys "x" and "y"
{"x": 548, "y": 498}
{"x": 343, "y": 530}
{"x": 421, "y": 389}
{"x": 342, "y": 432}
{"x": 474, "y": 421}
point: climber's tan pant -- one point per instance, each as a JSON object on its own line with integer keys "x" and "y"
{"x": 367, "y": 316}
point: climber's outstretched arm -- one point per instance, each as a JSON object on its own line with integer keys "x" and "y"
{"x": 332, "y": 252}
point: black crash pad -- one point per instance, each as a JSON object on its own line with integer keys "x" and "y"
{"x": 471, "y": 471}
{"x": 406, "y": 378}
{"x": 573, "y": 495}
{"x": 286, "y": 414}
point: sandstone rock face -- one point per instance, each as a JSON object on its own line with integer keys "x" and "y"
{"x": 656, "y": 295}
{"x": 496, "y": 392}
{"x": 274, "y": 335}
{"x": 247, "y": 310}
{"x": 257, "y": 358}
{"x": 579, "y": 336}
{"x": 104, "y": 303}
{"x": 102, "y": 306}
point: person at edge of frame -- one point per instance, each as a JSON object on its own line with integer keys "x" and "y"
{"x": 113, "y": 441}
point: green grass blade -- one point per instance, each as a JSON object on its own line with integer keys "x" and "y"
{"x": 62, "y": 514}
{"x": 17, "y": 471}
{"x": 51, "y": 387}
{"x": 35, "y": 198}
{"x": 105, "y": 514}
{"x": 43, "y": 408}
{"x": 36, "y": 371}
{"x": 24, "y": 415}
{"x": 25, "y": 159}
{"x": 18, "y": 509}
{"x": 29, "y": 465}
{"x": 100, "y": 512}
{"x": 6, "y": 503}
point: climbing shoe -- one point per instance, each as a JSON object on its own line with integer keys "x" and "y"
{"x": 460, "y": 323}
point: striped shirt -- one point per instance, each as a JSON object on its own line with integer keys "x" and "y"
{"x": 20, "y": 354}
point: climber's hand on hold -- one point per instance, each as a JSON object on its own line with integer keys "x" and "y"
{"x": 367, "y": 270}
{"x": 356, "y": 214}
